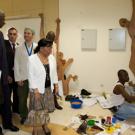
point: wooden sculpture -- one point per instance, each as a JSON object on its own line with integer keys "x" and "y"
{"x": 62, "y": 65}
{"x": 42, "y": 33}
{"x": 130, "y": 25}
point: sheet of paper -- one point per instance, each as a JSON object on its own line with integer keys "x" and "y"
{"x": 89, "y": 102}
{"x": 104, "y": 102}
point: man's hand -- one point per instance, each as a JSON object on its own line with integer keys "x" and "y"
{"x": 130, "y": 83}
{"x": 10, "y": 80}
{"x": 58, "y": 20}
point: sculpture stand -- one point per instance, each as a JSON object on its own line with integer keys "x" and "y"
{"x": 62, "y": 65}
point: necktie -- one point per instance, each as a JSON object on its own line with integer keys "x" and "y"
{"x": 13, "y": 45}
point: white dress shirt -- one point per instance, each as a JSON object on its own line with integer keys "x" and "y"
{"x": 21, "y": 62}
{"x": 37, "y": 73}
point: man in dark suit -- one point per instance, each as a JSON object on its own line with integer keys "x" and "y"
{"x": 10, "y": 51}
{"x": 2, "y": 61}
{"x": 6, "y": 105}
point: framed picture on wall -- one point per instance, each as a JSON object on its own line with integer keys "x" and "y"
{"x": 117, "y": 39}
{"x": 88, "y": 39}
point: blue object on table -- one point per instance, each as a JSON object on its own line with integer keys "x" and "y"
{"x": 76, "y": 103}
{"x": 118, "y": 118}
{"x": 114, "y": 120}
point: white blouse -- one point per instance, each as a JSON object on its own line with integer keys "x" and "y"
{"x": 37, "y": 73}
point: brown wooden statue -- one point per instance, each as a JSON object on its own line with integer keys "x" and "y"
{"x": 62, "y": 65}
{"x": 42, "y": 33}
{"x": 130, "y": 25}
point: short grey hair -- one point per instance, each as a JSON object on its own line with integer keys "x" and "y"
{"x": 30, "y": 29}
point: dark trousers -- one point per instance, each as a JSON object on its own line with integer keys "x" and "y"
{"x": 13, "y": 89}
{"x": 6, "y": 107}
{"x": 23, "y": 95}
{"x": 0, "y": 113}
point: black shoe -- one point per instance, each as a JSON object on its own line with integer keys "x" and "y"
{"x": 23, "y": 120}
{"x": 1, "y": 131}
{"x": 58, "y": 107}
{"x": 46, "y": 130}
{"x": 11, "y": 128}
{"x": 85, "y": 92}
{"x": 47, "y": 133}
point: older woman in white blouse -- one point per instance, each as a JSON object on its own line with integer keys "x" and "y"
{"x": 42, "y": 81}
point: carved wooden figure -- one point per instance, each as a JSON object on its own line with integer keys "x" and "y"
{"x": 130, "y": 25}
{"x": 62, "y": 65}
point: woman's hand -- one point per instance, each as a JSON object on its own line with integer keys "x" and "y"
{"x": 37, "y": 95}
{"x": 56, "y": 88}
{"x": 20, "y": 83}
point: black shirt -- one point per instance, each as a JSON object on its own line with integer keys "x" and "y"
{"x": 47, "y": 80}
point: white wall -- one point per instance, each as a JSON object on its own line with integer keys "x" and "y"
{"x": 20, "y": 25}
{"x": 94, "y": 68}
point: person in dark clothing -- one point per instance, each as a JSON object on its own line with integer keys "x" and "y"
{"x": 2, "y": 56}
{"x": 6, "y": 105}
{"x": 10, "y": 51}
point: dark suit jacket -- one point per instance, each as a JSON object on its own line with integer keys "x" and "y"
{"x": 3, "y": 63}
{"x": 10, "y": 57}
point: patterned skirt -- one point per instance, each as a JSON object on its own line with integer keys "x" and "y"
{"x": 38, "y": 109}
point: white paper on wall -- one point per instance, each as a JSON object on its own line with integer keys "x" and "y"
{"x": 117, "y": 38}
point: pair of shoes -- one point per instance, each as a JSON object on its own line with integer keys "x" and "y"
{"x": 23, "y": 120}
{"x": 11, "y": 127}
{"x": 85, "y": 92}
